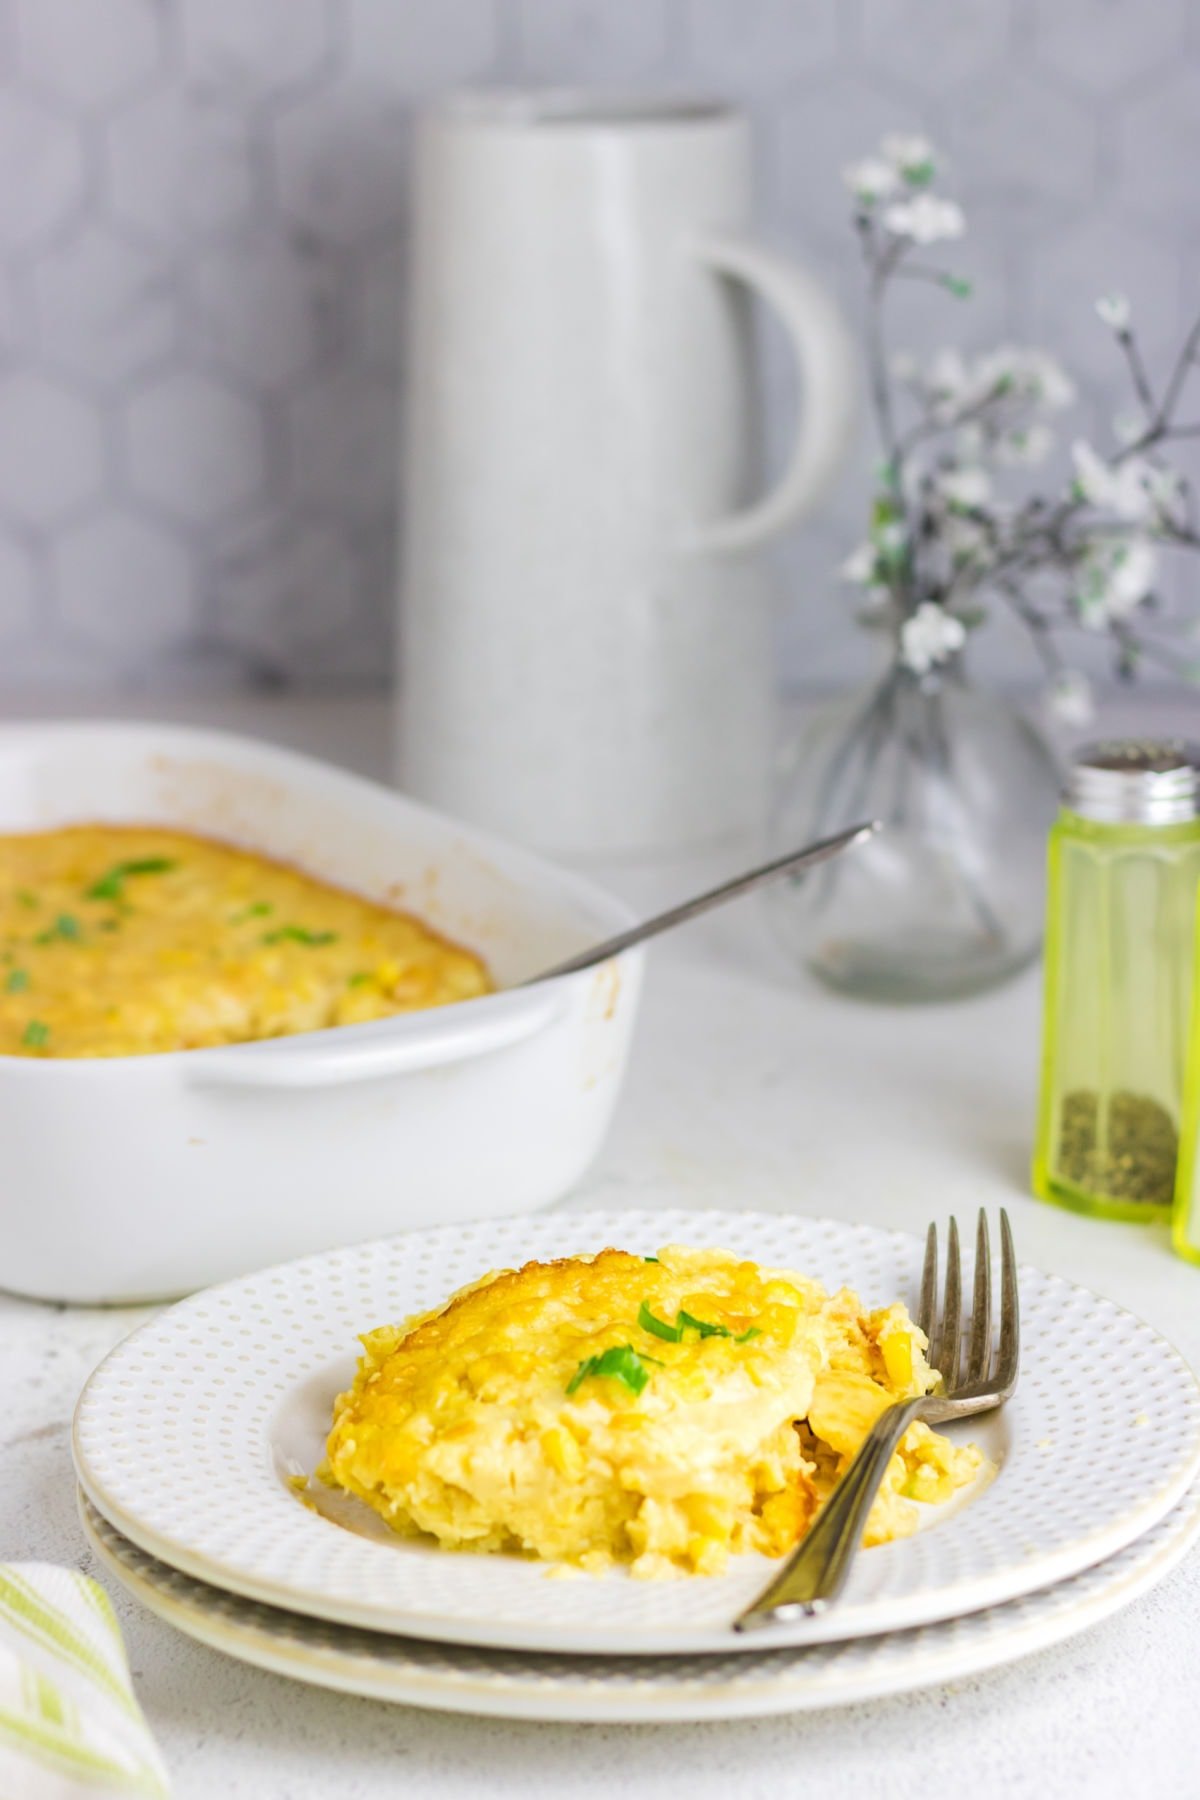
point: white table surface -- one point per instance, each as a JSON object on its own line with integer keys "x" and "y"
{"x": 749, "y": 1087}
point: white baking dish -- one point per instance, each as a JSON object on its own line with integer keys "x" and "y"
{"x": 134, "y": 1178}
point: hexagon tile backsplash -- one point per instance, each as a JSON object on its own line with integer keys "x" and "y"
{"x": 202, "y": 251}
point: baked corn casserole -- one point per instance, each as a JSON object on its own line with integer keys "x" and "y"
{"x": 121, "y": 941}
{"x": 661, "y": 1412}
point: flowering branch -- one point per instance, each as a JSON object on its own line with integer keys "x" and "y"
{"x": 941, "y": 541}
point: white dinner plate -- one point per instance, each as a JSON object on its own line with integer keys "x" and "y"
{"x": 186, "y": 1436}
{"x": 641, "y": 1689}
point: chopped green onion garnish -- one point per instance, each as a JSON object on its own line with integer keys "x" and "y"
{"x": 658, "y": 1328}
{"x": 26, "y": 898}
{"x": 703, "y": 1326}
{"x": 709, "y": 1330}
{"x": 18, "y": 981}
{"x": 65, "y": 926}
{"x": 35, "y": 1034}
{"x": 684, "y": 1321}
{"x": 622, "y": 1363}
{"x": 111, "y": 885}
{"x": 649, "y": 1259}
{"x": 359, "y": 980}
{"x": 299, "y": 934}
{"x": 257, "y": 910}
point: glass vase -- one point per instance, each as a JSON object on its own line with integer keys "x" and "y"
{"x": 948, "y": 898}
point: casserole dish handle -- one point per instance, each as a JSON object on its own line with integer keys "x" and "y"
{"x": 395, "y": 1046}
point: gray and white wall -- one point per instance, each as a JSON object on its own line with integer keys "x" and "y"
{"x": 202, "y": 248}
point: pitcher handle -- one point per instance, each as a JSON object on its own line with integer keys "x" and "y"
{"x": 827, "y": 403}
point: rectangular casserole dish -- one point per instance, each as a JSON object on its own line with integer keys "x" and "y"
{"x": 138, "y": 1178}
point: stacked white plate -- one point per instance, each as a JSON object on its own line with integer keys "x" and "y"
{"x": 189, "y": 1436}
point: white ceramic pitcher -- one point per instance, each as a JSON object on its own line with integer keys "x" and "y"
{"x": 583, "y": 634}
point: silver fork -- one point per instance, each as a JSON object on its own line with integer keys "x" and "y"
{"x": 816, "y": 1571}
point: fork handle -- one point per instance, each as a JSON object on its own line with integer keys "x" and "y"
{"x": 816, "y": 1571}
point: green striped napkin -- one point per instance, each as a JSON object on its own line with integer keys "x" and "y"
{"x": 69, "y": 1724}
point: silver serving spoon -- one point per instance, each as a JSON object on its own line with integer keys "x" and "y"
{"x": 690, "y": 909}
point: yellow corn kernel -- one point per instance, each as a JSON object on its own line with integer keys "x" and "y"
{"x": 486, "y": 1370}
{"x": 932, "y": 1485}
{"x": 562, "y": 1452}
{"x": 898, "y": 1358}
{"x": 782, "y": 1293}
{"x": 844, "y": 1407}
{"x": 705, "y": 1556}
{"x": 786, "y": 1515}
{"x": 922, "y": 1444}
{"x": 708, "y": 1518}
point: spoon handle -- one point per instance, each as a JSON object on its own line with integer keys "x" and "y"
{"x": 690, "y": 909}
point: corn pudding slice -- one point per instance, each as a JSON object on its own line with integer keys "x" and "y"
{"x": 658, "y": 1412}
{"x": 120, "y": 941}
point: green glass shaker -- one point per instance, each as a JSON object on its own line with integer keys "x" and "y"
{"x": 1124, "y": 866}
{"x": 1185, "y": 1221}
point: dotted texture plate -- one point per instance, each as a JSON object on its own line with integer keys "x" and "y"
{"x": 185, "y": 1435}
{"x": 642, "y": 1688}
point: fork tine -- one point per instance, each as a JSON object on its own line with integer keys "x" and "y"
{"x": 1010, "y": 1321}
{"x": 927, "y": 1307}
{"x": 946, "y": 1358}
{"x": 979, "y": 1349}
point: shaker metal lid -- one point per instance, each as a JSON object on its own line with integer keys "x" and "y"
{"x": 1136, "y": 781}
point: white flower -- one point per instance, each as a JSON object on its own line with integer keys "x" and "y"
{"x": 1134, "y": 566}
{"x": 965, "y": 541}
{"x": 947, "y": 372}
{"x": 859, "y": 566}
{"x": 947, "y": 383}
{"x": 1071, "y": 698}
{"x": 1052, "y": 386}
{"x": 904, "y": 367}
{"x": 964, "y": 487}
{"x": 962, "y": 541}
{"x": 1133, "y": 490}
{"x": 1114, "y": 580}
{"x": 1094, "y": 479}
{"x": 925, "y": 219}
{"x": 1114, "y": 309}
{"x": 1029, "y": 375}
{"x": 910, "y": 155}
{"x": 1006, "y": 381}
{"x": 1025, "y": 446}
{"x": 992, "y": 401}
{"x": 1166, "y": 494}
{"x": 1092, "y": 474}
{"x": 929, "y": 637}
{"x": 1128, "y": 427}
{"x": 870, "y": 180}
